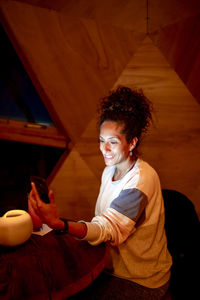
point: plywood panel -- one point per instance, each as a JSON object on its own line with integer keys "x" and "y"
{"x": 180, "y": 43}
{"x": 129, "y": 14}
{"x": 88, "y": 147}
{"x": 50, "y": 4}
{"x": 76, "y": 188}
{"x": 164, "y": 13}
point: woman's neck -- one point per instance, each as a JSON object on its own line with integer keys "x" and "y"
{"x": 121, "y": 171}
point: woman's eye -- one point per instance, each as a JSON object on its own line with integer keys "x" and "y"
{"x": 101, "y": 141}
{"x": 113, "y": 143}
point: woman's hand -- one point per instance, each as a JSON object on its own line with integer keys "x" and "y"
{"x": 47, "y": 213}
{"x": 37, "y": 222}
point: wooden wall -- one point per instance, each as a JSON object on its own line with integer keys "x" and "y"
{"x": 75, "y": 51}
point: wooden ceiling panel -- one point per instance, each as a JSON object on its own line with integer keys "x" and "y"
{"x": 129, "y": 14}
{"x": 49, "y": 4}
{"x": 180, "y": 43}
{"x": 88, "y": 147}
{"x": 75, "y": 198}
{"x": 163, "y": 13}
{"x": 105, "y": 49}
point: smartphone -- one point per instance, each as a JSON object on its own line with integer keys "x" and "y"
{"x": 41, "y": 187}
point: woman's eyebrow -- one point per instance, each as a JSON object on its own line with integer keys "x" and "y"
{"x": 110, "y": 137}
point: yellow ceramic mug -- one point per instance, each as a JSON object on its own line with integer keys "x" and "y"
{"x": 15, "y": 227}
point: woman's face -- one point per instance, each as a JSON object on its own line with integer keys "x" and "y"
{"x": 113, "y": 144}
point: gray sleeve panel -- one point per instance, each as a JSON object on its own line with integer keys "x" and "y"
{"x": 130, "y": 203}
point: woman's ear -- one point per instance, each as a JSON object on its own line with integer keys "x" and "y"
{"x": 133, "y": 143}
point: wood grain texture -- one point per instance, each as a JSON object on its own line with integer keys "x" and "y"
{"x": 180, "y": 43}
{"x": 76, "y": 188}
{"x": 88, "y": 147}
{"x": 49, "y": 4}
{"x": 129, "y": 14}
{"x": 164, "y": 13}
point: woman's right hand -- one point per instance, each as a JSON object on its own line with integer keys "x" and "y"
{"x": 46, "y": 212}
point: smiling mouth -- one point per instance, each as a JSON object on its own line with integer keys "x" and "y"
{"x": 108, "y": 156}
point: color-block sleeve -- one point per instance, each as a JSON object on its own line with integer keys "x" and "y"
{"x": 130, "y": 203}
{"x": 118, "y": 221}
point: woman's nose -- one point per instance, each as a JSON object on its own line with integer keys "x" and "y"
{"x": 106, "y": 147}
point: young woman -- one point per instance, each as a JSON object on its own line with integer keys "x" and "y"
{"x": 129, "y": 212}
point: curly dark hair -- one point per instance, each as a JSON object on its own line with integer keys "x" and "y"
{"x": 129, "y": 107}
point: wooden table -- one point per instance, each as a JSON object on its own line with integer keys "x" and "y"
{"x": 53, "y": 266}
